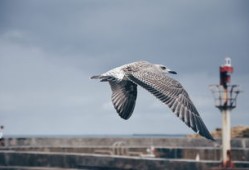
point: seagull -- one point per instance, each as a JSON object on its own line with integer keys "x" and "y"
{"x": 154, "y": 78}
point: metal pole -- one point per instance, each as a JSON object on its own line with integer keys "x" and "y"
{"x": 226, "y": 132}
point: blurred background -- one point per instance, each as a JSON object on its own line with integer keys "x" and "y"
{"x": 49, "y": 49}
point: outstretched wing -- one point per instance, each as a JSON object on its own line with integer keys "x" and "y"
{"x": 171, "y": 92}
{"x": 124, "y": 95}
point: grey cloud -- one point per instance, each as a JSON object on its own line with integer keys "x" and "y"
{"x": 49, "y": 49}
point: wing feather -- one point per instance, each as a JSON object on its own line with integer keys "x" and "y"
{"x": 171, "y": 92}
{"x": 124, "y": 96}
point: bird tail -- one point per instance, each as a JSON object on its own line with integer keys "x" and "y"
{"x": 95, "y": 77}
{"x": 103, "y": 78}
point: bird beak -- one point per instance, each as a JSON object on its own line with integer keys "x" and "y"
{"x": 170, "y": 71}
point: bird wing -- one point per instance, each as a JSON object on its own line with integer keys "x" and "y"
{"x": 171, "y": 92}
{"x": 124, "y": 94}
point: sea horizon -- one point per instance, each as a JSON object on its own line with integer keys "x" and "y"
{"x": 135, "y": 135}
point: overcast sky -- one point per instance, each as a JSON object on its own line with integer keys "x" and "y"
{"x": 49, "y": 49}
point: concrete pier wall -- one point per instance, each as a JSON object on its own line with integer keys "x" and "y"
{"x": 173, "y": 148}
{"x": 82, "y": 161}
{"x": 161, "y": 152}
{"x": 98, "y": 162}
{"x": 81, "y": 153}
{"x": 108, "y": 141}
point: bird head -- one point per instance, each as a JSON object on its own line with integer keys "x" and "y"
{"x": 167, "y": 70}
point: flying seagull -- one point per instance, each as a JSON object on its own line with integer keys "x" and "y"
{"x": 152, "y": 77}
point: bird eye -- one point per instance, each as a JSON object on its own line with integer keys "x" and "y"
{"x": 163, "y": 67}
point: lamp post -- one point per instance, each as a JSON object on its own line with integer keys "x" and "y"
{"x": 225, "y": 96}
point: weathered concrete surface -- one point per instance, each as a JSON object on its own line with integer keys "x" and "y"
{"x": 204, "y": 153}
{"x": 78, "y": 153}
{"x": 176, "y": 148}
{"x": 134, "y": 141}
{"x": 84, "y": 161}
{"x": 108, "y": 141}
{"x": 100, "y": 162}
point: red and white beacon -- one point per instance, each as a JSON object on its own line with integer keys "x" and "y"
{"x": 225, "y": 72}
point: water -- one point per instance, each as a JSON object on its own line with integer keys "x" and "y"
{"x": 100, "y": 136}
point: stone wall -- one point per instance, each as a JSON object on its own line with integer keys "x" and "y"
{"x": 80, "y": 153}
{"x": 109, "y": 141}
{"x": 98, "y": 162}
{"x": 81, "y": 161}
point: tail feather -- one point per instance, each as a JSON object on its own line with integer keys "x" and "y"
{"x": 103, "y": 78}
{"x": 95, "y": 77}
